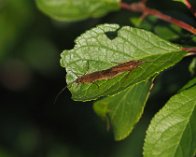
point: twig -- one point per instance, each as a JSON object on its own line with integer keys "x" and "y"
{"x": 190, "y": 7}
{"x": 142, "y": 8}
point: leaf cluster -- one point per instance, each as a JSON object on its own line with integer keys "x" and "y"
{"x": 121, "y": 100}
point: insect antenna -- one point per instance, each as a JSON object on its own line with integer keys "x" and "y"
{"x": 58, "y": 94}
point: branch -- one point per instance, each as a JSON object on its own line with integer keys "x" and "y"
{"x": 190, "y": 7}
{"x": 140, "y": 7}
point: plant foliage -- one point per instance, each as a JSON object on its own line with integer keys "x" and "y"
{"x": 173, "y": 129}
{"x": 122, "y": 98}
{"x": 71, "y": 10}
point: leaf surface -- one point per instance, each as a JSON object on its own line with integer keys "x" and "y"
{"x": 192, "y": 66}
{"x": 190, "y": 84}
{"x": 109, "y": 45}
{"x": 123, "y": 110}
{"x": 172, "y": 132}
{"x": 182, "y": 1}
{"x": 71, "y": 10}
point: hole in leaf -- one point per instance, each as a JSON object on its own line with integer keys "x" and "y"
{"x": 112, "y": 34}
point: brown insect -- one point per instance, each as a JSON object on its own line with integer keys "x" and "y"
{"x": 108, "y": 73}
{"x": 104, "y": 74}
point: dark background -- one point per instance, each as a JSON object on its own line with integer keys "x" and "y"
{"x": 31, "y": 77}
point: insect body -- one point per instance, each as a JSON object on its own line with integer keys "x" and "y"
{"x": 128, "y": 66}
{"x": 95, "y": 76}
{"x": 105, "y": 74}
{"x": 108, "y": 73}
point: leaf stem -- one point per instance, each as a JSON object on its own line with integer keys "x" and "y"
{"x": 142, "y": 8}
{"x": 190, "y": 7}
{"x": 191, "y": 50}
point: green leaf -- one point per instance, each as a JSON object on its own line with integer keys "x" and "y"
{"x": 124, "y": 109}
{"x": 163, "y": 30}
{"x": 71, "y": 10}
{"x": 190, "y": 84}
{"x": 169, "y": 32}
{"x": 182, "y": 1}
{"x": 172, "y": 132}
{"x": 108, "y": 45}
{"x": 192, "y": 66}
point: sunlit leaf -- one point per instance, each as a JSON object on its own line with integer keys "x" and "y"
{"x": 108, "y": 45}
{"x": 124, "y": 109}
{"x": 172, "y": 132}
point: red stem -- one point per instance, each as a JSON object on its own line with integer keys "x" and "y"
{"x": 190, "y": 49}
{"x": 171, "y": 20}
{"x": 142, "y": 8}
{"x": 190, "y": 7}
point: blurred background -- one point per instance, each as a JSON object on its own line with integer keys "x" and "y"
{"x": 31, "y": 77}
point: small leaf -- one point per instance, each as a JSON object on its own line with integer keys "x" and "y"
{"x": 124, "y": 109}
{"x": 172, "y": 132}
{"x": 136, "y": 21}
{"x": 168, "y": 32}
{"x": 71, "y": 10}
{"x": 107, "y": 46}
{"x": 192, "y": 66}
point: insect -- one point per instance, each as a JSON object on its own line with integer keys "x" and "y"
{"x": 108, "y": 73}
{"x": 104, "y": 74}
